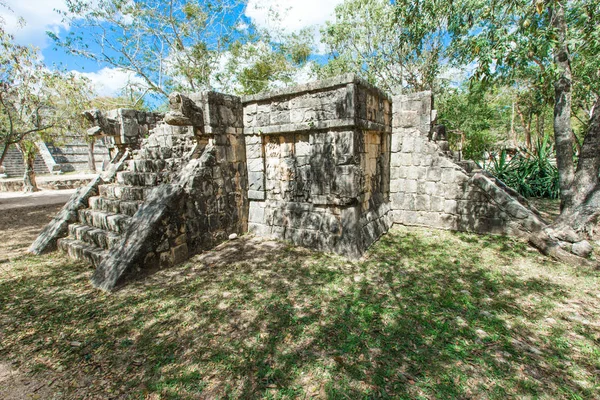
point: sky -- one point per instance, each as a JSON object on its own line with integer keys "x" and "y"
{"x": 40, "y": 16}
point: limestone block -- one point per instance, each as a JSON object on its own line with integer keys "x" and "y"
{"x": 250, "y": 108}
{"x": 425, "y": 160}
{"x": 397, "y": 199}
{"x": 449, "y": 175}
{"x": 430, "y": 188}
{"x": 451, "y": 206}
{"x": 312, "y": 221}
{"x": 396, "y": 145}
{"x": 179, "y": 253}
{"x": 286, "y": 145}
{"x": 410, "y": 217}
{"x": 272, "y": 147}
{"x": 434, "y": 174}
{"x": 410, "y": 186}
{"x": 297, "y": 115}
{"x": 347, "y": 181}
{"x": 260, "y": 230}
{"x": 253, "y": 139}
{"x": 256, "y": 181}
{"x": 402, "y": 172}
{"x": 302, "y": 146}
{"x": 256, "y": 212}
{"x": 256, "y": 195}
{"x": 256, "y": 165}
{"x": 422, "y": 202}
{"x": 408, "y": 144}
{"x": 437, "y": 203}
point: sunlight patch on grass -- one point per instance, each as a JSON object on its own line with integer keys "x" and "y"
{"x": 426, "y": 314}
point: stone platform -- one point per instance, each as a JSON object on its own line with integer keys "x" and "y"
{"x": 48, "y": 182}
{"x": 329, "y": 165}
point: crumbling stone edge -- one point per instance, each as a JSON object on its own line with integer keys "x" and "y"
{"x": 57, "y": 228}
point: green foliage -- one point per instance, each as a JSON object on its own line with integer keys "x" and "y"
{"x": 35, "y": 101}
{"x": 513, "y": 43}
{"x": 475, "y": 119}
{"x": 266, "y": 63}
{"x": 172, "y": 45}
{"x": 390, "y": 49}
{"x": 532, "y": 174}
{"x": 183, "y": 45}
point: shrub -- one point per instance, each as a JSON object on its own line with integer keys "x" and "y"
{"x": 532, "y": 174}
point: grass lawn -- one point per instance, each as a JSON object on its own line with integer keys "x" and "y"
{"x": 426, "y": 314}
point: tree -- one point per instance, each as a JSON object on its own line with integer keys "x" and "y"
{"x": 169, "y": 45}
{"x": 276, "y": 59}
{"x": 558, "y": 41}
{"x": 392, "y": 46}
{"x": 182, "y": 45}
{"x": 477, "y": 118}
{"x": 35, "y": 102}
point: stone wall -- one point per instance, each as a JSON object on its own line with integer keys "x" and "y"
{"x": 429, "y": 189}
{"x": 133, "y": 127}
{"x": 318, "y": 164}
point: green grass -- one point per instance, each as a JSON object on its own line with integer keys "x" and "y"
{"x": 426, "y": 314}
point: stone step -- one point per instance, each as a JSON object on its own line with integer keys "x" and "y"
{"x": 122, "y": 192}
{"x": 79, "y": 250}
{"x": 137, "y": 165}
{"x": 155, "y": 153}
{"x": 94, "y": 236}
{"x": 138, "y": 178}
{"x": 163, "y": 153}
{"x": 129, "y": 208}
{"x": 117, "y": 223}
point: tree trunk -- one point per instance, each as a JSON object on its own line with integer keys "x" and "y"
{"x": 91, "y": 158}
{"x": 526, "y": 127}
{"x": 29, "y": 182}
{"x": 581, "y": 220}
{"x": 586, "y": 181}
{"x": 562, "y": 109}
{"x": 3, "y": 155}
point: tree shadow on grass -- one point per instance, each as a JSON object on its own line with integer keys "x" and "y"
{"x": 253, "y": 319}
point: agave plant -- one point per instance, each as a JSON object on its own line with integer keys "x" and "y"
{"x": 531, "y": 173}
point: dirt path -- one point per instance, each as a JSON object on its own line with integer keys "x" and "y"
{"x": 12, "y": 200}
{"x": 15, "y": 385}
{"x": 19, "y": 226}
{"x": 21, "y": 219}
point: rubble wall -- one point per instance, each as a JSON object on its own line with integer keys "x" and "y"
{"x": 429, "y": 189}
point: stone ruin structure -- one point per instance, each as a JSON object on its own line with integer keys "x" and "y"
{"x": 122, "y": 128}
{"x": 329, "y": 165}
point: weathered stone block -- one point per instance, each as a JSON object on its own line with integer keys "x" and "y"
{"x": 256, "y": 212}
{"x": 410, "y": 186}
{"x": 256, "y": 181}
{"x": 179, "y": 253}
{"x": 434, "y": 174}
{"x": 256, "y": 165}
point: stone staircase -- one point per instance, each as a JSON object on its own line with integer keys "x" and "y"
{"x": 101, "y": 226}
{"x": 72, "y": 153}
{"x": 15, "y": 167}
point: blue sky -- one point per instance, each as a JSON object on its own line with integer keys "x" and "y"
{"x": 40, "y": 16}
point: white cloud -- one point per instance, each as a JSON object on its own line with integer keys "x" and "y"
{"x": 111, "y": 81}
{"x": 455, "y": 76}
{"x": 39, "y": 15}
{"x": 291, "y": 16}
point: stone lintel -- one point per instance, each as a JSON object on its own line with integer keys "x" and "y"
{"x": 330, "y": 83}
{"x": 348, "y": 123}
